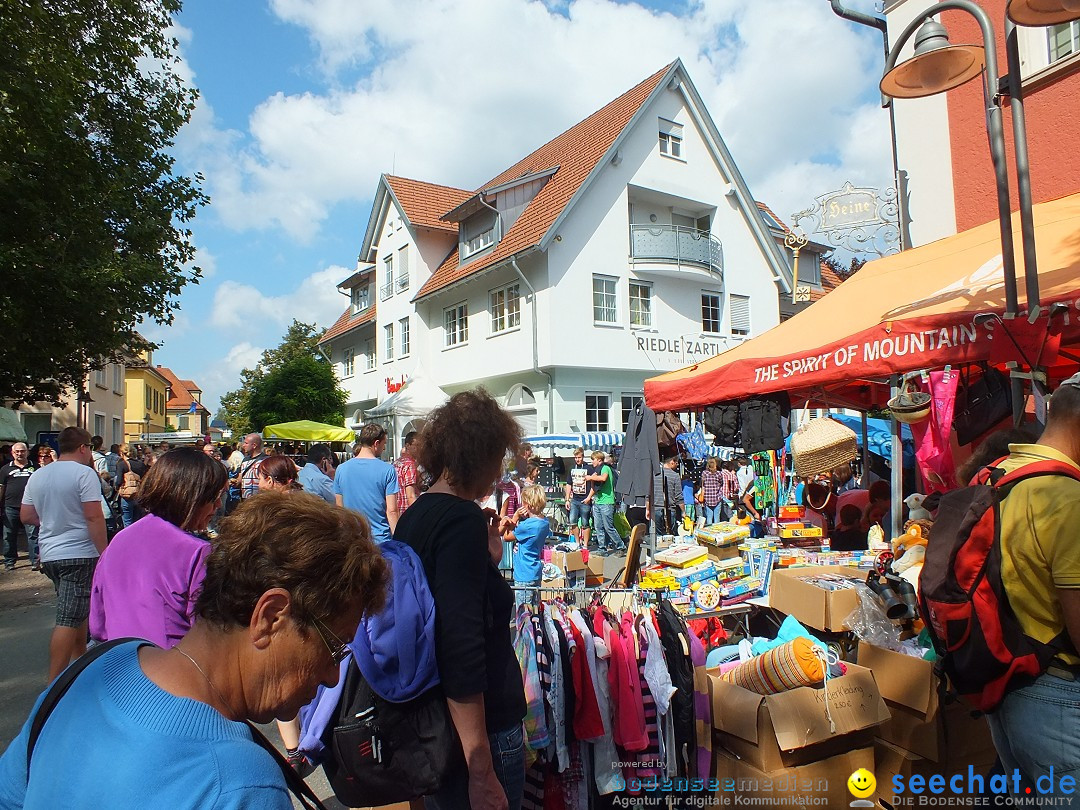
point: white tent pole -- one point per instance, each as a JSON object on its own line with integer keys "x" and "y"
{"x": 897, "y": 465}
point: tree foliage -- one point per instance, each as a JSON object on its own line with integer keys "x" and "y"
{"x": 285, "y": 382}
{"x": 300, "y": 388}
{"x": 93, "y": 215}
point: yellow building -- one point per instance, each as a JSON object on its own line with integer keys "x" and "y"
{"x": 146, "y": 393}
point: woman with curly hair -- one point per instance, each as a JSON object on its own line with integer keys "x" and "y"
{"x": 462, "y": 446}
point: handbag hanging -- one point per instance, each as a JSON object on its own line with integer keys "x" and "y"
{"x": 987, "y": 402}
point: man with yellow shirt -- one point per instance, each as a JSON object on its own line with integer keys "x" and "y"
{"x": 1037, "y": 727}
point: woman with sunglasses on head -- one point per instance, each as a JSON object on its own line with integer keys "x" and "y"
{"x": 462, "y": 447}
{"x": 289, "y": 577}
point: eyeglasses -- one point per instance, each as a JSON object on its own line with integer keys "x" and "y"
{"x": 338, "y": 649}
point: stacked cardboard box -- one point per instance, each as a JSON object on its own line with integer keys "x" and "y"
{"x": 924, "y": 735}
{"x": 788, "y": 744}
{"x": 798, "y": 592}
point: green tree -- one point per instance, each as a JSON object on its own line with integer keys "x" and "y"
{"x": 93, "y": 214}
{"x": 300, "y": 342}
{"x": 300, "y": 388}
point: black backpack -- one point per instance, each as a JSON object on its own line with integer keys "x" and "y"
{"x": 381, "y": 752}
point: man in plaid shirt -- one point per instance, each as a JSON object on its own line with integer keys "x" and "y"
{"x": 729, "y": 485}
{"x": 406, "y": 473}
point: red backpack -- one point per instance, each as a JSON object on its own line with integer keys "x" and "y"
{"x": 984, "y": 650}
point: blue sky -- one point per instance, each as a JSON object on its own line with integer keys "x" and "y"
{"x": 305, "y": 102}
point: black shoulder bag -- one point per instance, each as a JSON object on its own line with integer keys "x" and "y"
{"x": 297, "y": 786}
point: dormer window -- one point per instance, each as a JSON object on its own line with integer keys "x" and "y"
{"x": 671, "y": 137}
{"x": 359, "y": 298}
{"x": 478, "y": 232}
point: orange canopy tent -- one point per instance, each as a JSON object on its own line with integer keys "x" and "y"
{"x": 914, "y": 310}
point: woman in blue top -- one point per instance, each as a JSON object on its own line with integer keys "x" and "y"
{"x": 529, "y": 536}
{"x": 289, "y": 577}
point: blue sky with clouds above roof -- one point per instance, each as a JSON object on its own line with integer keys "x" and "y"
{"x": 305, "y": 102}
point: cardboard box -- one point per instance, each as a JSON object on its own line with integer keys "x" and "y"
{"x": 792, "y": 728}
{"x": 568, "y": 560}
{"x": 815, "y": 607}
{"x": 596, "y": 565}
{"x": 823, "y": 782}
{"x": 919, "y": 722}
{"x": 890, "y": 761}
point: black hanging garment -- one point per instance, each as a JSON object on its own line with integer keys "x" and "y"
{"x": 764, "y": 422}
{"x": 676, "y": 643}
{"x": 723, "y": 422}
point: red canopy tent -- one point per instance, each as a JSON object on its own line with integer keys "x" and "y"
{"x": 919, "y": 309}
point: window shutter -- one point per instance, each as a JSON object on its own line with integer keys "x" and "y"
{"x": 740, "y": 314}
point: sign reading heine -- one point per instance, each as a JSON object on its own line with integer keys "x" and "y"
{"x": 848, "y": 208}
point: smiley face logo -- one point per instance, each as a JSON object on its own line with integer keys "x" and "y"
{"x": 861, "y": 783}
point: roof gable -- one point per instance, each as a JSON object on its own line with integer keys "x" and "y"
{"x": 181, "y": 398}
{"x": 422, "y": 204}
{"x": 577, "y": 154}
{"x": 347, "y": 322}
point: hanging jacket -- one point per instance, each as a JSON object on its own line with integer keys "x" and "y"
{"x": 640, "y": 458}
{"x": 763, "y": 421}
{"x": 723, "y": 422}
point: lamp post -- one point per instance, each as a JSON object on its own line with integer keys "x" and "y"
{"x": 938, "y": 66}
{"x": 146, "y": 436}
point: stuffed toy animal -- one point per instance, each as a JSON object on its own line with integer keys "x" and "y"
{"x": 915, "y": 507}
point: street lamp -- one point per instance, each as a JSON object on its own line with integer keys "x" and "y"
{"x": 937, "y": 67}
{"x": 146, "y": 436}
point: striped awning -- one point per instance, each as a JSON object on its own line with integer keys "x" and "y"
{"x": 567, "y": 441}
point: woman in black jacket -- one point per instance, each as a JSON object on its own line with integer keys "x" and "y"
{"x": 463, "y": 446}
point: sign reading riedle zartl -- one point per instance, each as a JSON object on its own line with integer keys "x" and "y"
{"x": 848, "y": 208}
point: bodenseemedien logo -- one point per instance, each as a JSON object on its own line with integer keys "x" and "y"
{"x": 862, "y": 785}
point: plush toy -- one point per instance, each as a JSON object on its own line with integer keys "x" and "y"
{"x": 915, "y": 507}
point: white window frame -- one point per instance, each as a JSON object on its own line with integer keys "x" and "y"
{"x": 739, "y": 315}
{"x": 718, "y": 297}
{"x": 592, "y": 425}
{"x": 403, "y": 269}
{"x": 117, "y": 431}
{"x": 459, "y": 334}
{"x": 387, "y": 289}
{"x": 100, "y": 380}
{"x": 505, "y": 308}
{"x": 117, "y": 378}
{"x": 388, "y": 342}
{"x": 348, "y": 362}
{"x": 611, "y": 302}
{"x": 671, "y": 139}
{"x": 635, "y": 397}
{"x": 369, "y": 355}
{"x": 645, "y": 315}
{"x": 405, "y": 337}
{"x": 360, "y": 298}
{"x": 99, "y": 426}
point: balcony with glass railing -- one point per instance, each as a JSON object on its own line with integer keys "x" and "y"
{"x": 677, "y": 245}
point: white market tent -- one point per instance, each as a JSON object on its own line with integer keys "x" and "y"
{"x": 415, "y": 399}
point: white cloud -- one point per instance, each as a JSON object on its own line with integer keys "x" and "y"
{"x": 223, "y": 374}
{"x": 315, "y": 300}
{"x": 468, "y": 87}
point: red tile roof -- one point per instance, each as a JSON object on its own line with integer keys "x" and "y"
{"x": 576, "y": 153}
{"x": 347, "y": 322}
{"x": 181, "y": 398}
{"x": 783, "y": 225}
{"x": 830, "y": 280}
{"x": 424, "y": 203}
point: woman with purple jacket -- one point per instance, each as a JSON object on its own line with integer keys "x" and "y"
{"x": 147, "y": 580}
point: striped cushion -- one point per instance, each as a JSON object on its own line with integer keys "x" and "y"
{"x": 785, "y": 667}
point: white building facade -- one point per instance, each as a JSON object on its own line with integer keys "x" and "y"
{"x": 627, "y": 246}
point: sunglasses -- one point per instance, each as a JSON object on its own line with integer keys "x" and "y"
{"x": 338, "y": 649}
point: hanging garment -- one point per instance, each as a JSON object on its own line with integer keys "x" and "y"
{"x": 649, "y": 758}
{"x": 933, "y": 436}
{"x": 627, "y": 714}
{"x": 764, "y": 482}
{"x": 693, "y": 442}
{"x": 640, "y": 457}
{"x": 659, "y": 680}
{"x": 558, "y": 751}
{"x": 605, "y": 774}
{"x": 536, "y": 729}
{"x": 588, "y": 724}
{"x": 702, "y": 710}
{"x": 675, "y": 640}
